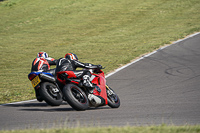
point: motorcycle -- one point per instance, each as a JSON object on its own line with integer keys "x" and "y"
{"x": 45, "y": 85}
{"x": 79, "y": 97}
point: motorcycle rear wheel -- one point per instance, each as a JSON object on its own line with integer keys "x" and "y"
{"x": 76, "y": 97}
{"x": 50, "y": 97}
{"x": 37, "y": 94}
{"x": 113, "y": 99}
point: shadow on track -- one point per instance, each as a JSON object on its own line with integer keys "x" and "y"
{"x": 62, "y": 109}
{"x": 44, "y": 107}
{"x": 49, "y": 109}
{"x": 42, "y": 104}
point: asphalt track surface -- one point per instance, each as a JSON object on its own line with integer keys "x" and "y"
{"x": 163, "y": 87}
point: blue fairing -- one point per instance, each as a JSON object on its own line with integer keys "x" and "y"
{"x": 37, "y": 73}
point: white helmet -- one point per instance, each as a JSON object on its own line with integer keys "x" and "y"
{"x": 42, "y": 55}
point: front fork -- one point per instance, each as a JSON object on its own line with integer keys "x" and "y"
{"x": 108, "y": 90}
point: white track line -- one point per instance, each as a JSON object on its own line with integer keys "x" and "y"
{"x": 19, "y": 102}
{"x": 119, "y": 69}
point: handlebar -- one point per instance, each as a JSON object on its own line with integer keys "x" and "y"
{"x": 96, "y": 70}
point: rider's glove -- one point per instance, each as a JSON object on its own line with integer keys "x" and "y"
{"x": 99, "y": 66}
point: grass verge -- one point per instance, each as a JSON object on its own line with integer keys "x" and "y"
{"x": 126, "y": 129}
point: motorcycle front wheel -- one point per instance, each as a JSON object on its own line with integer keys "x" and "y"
{"x": 113, "y": 99}
{"x": 50, "y": 94}
{"x": 76, "y": 97}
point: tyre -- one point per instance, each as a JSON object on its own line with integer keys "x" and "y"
{"x": 113, "y": 99}
{"x": 49, "y": 93}
{"x": 39, "y": 98}
{"x": 37, "y": 94}
{"x": 75, "y": 97}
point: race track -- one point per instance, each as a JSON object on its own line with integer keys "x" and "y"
{"x": 161, "y": 88}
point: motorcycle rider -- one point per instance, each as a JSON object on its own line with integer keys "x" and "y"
{"x": 42, "y": 63}
{"x": 46, "y": 62}
{"x": 71, "y": 62}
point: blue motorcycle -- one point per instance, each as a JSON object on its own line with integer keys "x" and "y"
{"x": 46, "y": 87}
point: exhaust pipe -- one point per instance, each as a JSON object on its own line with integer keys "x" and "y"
{"x": 47, "y": 77}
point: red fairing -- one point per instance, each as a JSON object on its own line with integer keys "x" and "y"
{"x": 70, "y": 75}
{"x": 96, "y": 80}
{"x": 75, "y": 82}
{"x": 100, "y": 81}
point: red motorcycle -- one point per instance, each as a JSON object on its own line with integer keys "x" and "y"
{"x": 79, "y": 97}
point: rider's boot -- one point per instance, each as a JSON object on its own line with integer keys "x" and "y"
{"x": 88, "y": 84}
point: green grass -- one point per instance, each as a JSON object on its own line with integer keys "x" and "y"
{"x": 126, "y": 129}
{"x": 106, "y": 32}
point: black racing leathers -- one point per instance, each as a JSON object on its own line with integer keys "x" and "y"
{"x": 64, "y": 64}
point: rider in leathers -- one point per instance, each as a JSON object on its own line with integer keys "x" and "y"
{"x": 42, "y": 63}
{"x": 46, "y": 63}
{"x": 70, "y": 63}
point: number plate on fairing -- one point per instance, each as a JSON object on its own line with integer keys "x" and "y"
{"x": 35, "y": 81}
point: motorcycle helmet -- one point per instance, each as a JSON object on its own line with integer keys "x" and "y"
{"x": 42, "y": 55}
{"x": 71, "y": 56}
